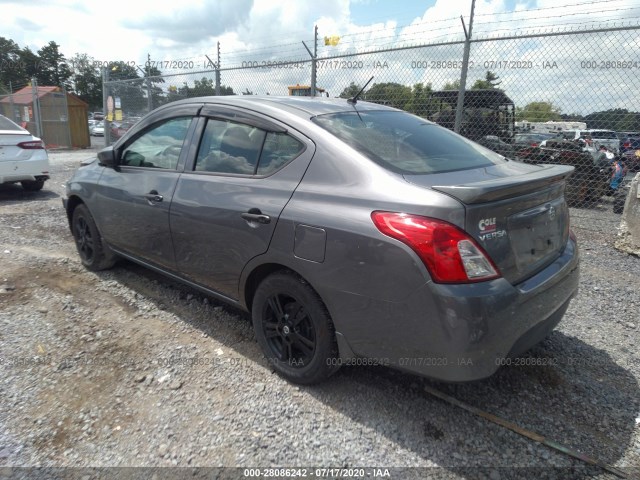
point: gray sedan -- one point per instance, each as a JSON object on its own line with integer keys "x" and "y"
{"x": 354, "y": 233}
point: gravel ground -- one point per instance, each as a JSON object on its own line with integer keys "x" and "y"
{"x": 126, "y": 368}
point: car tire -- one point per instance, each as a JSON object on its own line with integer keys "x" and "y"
{"x": 32, "y": 185}
{"x": 94, "y": 254}
{"x": 294, "y": 329}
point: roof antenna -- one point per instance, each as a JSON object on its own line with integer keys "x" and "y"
{"x": 354, "y": 100}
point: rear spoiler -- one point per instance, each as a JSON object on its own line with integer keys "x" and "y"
{"x": 506, "y": 187}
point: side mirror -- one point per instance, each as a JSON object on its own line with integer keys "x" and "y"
{"x": 107, "y": 157}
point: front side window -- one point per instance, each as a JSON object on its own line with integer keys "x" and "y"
{"x": 159, "y": 147}
{"x": 405, "y": 143}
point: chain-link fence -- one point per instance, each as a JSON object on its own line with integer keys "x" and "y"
{"x": 44, "y": 112}
{"x": 554, "y": 97}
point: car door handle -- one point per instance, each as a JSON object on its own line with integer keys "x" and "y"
{"x": 153, "y": 196}
{"x": 255, "y": 215}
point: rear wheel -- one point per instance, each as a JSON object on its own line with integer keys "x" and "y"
{"x": 294, "y": 329}
{"x": 32, "y": 185}
{"x": 93, "y": 253}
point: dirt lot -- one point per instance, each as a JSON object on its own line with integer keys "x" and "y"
{"x": 127, "y": 368}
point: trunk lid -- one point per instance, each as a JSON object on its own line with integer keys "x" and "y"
{"x": 516, "y": 212}
{"x": 9, "y": 151}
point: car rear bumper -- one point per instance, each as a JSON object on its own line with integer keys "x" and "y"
{"x": 21, "y": 170}
{"x": 459, "y": 333}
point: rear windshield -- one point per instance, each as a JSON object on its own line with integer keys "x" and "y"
{"x": 405, "y": 143}
{"x": 6, "y": 124}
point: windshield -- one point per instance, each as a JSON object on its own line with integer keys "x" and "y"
{"x": 405, "y": 143}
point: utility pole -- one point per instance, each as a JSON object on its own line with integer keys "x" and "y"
{"x": 313, "y": 60}
{"x": 465, "y": 69}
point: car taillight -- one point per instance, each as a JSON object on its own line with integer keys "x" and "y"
{"x": 449, "y": 253}
{"x": 534, "y": 144}
{"x": 626, "y": 145}
{"x": 37, "y": 145}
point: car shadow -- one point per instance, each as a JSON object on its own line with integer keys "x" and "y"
{"x": 15, "y": 192}
{"x": 564, "y": 390}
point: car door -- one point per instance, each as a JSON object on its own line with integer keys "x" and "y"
{"x": 226, "y": 207}
{"x": 133, "y": 199}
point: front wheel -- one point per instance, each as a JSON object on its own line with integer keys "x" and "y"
{"x": 94, "y": 255}
{"x": 294, "y": 329}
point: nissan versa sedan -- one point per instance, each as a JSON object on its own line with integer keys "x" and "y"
{"x": 353, "y": 233}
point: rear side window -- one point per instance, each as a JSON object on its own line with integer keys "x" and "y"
{"x": 405, "y": 143}
{"x": 230, "y": 147}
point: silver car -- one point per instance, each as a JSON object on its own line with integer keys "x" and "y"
{"x": 354, "y": 233}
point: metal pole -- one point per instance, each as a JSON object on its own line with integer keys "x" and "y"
{"x": 218, "y": 72}
{"x": 105, "y": 96}
{"x": 66, "y": 115}
{"x": 13, "y": 108}
{"x": 463, "y": 74}
{"x": 149, "y": 99}
{"x": 313, "y": 61}
{"x": 36, "y": 107}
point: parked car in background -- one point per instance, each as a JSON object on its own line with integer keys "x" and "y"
{"x": 492, "y": 142}
{"x": 23, "y": 157}
{"x": 590, "y": 180}
{"x": 629, "y": 141}
{"x": 524, "y": 140}
{"x": 353, "y": 232}
{"x": 98, "y": 116}
{"x": 118, "y": 129}
{"x": 98, "y": 129}
{"x": 608, "y": 138}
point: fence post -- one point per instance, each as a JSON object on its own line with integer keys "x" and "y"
{"x": 36, "y": 107}
{"x": 465, "y": 69}
{"x": 148, "y": 82}
{"x": 313, "y": 61}
{"x": 105, "y": 96}
{"x": 218, "y": 72}
{"x": 11, "y": 105}
{"x": 65, "y": 108}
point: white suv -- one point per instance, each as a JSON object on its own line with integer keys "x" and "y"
{"x": 23, "y": 157}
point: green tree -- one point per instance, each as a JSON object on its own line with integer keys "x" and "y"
{"x": 12, "y": 67}
{"x": 87, "y": 81}
{"x": 392, "y": 94}
{"x": 207, "y": 87}
{"x": 53, "y": 68}
{"x": 490, "y": 81}
{"x": 421, "y": 103}
{"x": 455, "y": 85}
{"x": 618, "y": 119}
{"x": 350, "y": 91}
{"x": 31, "y": 62}
{"x": 538, "y": 112}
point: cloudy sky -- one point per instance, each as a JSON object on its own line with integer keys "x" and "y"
{"x": 167, "y": 29}
{"x": 261, "y": 30}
